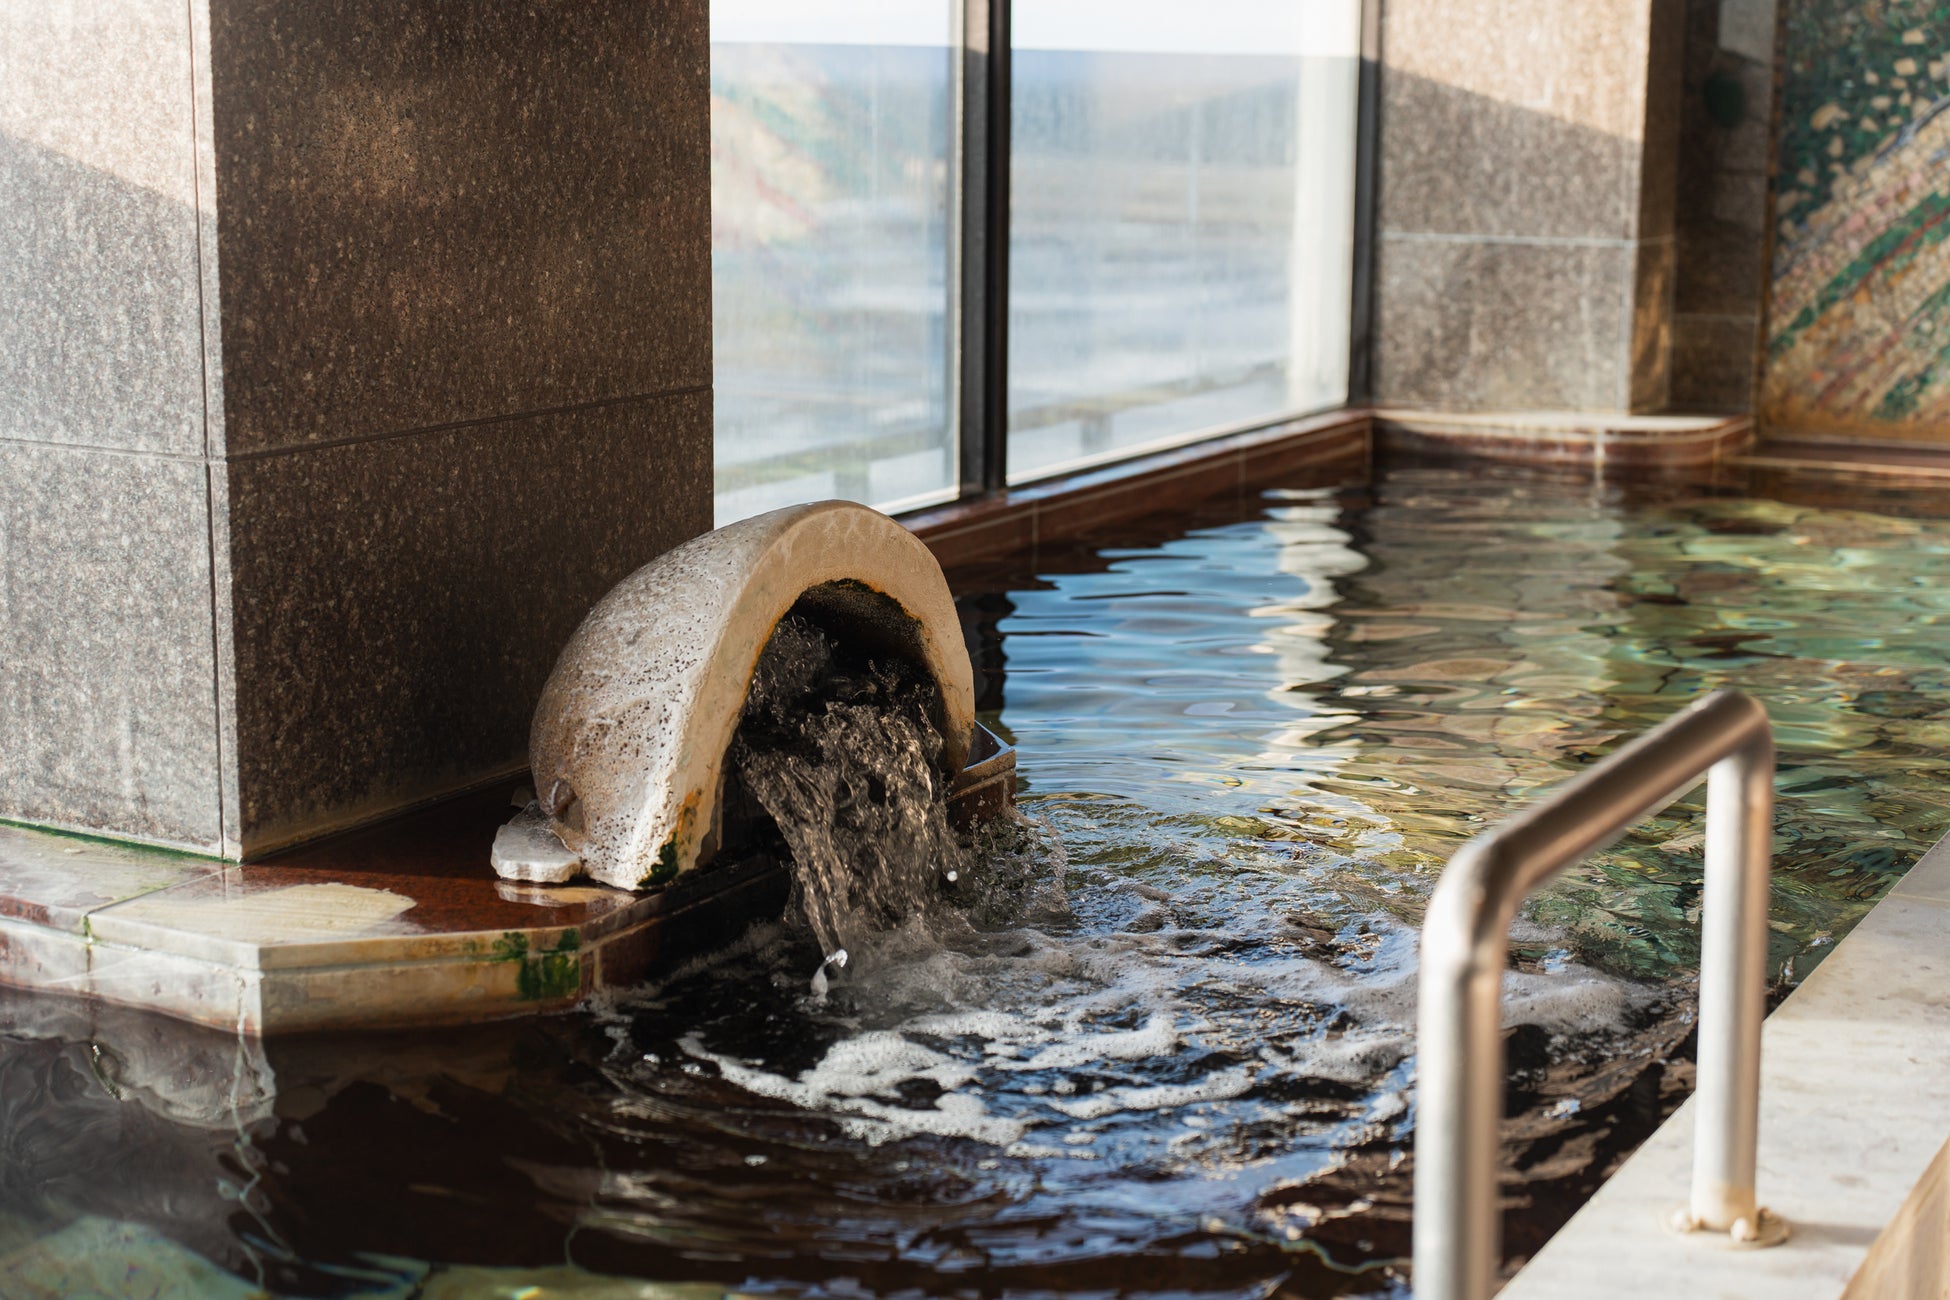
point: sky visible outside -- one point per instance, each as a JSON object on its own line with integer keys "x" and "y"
{"x": 1315, "y": 27}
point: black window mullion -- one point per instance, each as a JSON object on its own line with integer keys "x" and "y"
{"x": 1360, "y": 352}
{"x": 983, "y": 230}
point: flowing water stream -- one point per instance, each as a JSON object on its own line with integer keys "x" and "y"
{"x": 839, "y": 752}
{"x": 1154, "y": 1038}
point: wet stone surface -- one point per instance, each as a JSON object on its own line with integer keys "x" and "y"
{"x": 1156, "y": 1040}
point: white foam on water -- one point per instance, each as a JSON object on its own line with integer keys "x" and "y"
{"x": 1003, "y": 1014}
{"x": 1571, "y": 1000}
{"x": 1156, "y": 1038}
{"x": 1223, "y": 1086}
{"x": 1032, "y": 1040}
{"x": 851, "y": 1074}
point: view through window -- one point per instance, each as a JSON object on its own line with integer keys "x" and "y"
{"x": 831, "y": 176}
{"x": 1183, "y": 209}
{"x": 1181, "y": 244}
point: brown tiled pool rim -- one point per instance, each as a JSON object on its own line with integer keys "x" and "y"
{"x": 1334, "y": 446}
{"x": 1598, "y": 441}
{"x": 1337, "y": 446}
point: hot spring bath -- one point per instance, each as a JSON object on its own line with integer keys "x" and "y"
{"x": 1157, "y": 1038}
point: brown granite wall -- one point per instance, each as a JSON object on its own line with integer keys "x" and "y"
{"x": 1525, "y": 252}
{"x": 348, "y": 353}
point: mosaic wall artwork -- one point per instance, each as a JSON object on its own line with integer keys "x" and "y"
{"x": 1858, "y": 334}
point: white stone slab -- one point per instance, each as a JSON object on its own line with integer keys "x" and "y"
{"x": 1911, "y": 1259}
{"x": 1929, "y": 880}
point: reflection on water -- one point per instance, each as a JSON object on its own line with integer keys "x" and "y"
{"x": 1158, "y": 1043}
{"x": 1371, "y": 685}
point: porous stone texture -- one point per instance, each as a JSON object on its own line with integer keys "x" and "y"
{"x": 629, "y": 739}
{"x": 398, "y": 326}
{"x": 1527, "y": 156}
{"x": 526, "y": 849}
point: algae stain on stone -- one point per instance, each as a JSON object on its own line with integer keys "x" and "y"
{"x": 546, "y": 974}
{"x": 666, "y": 869}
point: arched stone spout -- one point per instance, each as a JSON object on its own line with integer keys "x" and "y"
{"x": 629, "y": 738}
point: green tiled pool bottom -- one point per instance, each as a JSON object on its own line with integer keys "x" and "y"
{"x": 1182, "y": 1064}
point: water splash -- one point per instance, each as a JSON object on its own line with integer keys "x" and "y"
{"x": 840, "y": 752}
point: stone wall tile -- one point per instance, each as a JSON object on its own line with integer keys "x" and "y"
{"x": 1658, "y": 159}
{"x": 1513, "y": 117}
{"x": 1652, "y": 338}
{"x": 398, "y": 603}
{"x": 107, "y": 705}
{"x": 452, "y": 211}
{"x": 1503, "y": 326}
{"x": 100, "y": 337}
{"x": 1454, "y": 162}
{"x": 1746, "y": 28}
{"x": 1713, "y": 360}
{"x": 1721, "y": 210}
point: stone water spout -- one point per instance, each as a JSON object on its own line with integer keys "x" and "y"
{"x": 629, "y": 739}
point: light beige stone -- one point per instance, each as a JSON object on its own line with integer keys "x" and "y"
{"x": 630, "y": 735}
{"x": 233, "y": 925}
{"x": 1910, "y": 1260}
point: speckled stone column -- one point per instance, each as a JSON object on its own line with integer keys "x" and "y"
{"x": 1528, "y": 160}
{"x": 348, "y": 353}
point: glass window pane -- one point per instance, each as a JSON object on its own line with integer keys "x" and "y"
{"x": 1182, "y": 227}
{"x": 830, "y": 269}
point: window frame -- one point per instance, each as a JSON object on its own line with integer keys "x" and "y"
{"x": 980, "y": 367}
{"x": 979, "y": 236}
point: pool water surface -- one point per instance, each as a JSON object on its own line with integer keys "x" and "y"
{"x": 1158, "y": 1041}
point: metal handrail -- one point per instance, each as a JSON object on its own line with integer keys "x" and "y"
{"x": 1465, "y": 946}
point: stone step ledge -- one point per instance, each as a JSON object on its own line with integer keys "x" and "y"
{"x": 400, "y": 924}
